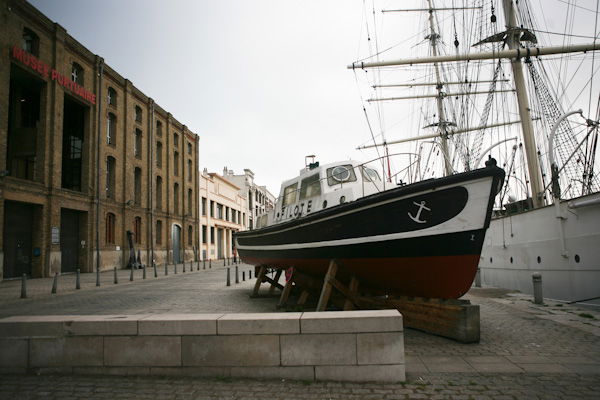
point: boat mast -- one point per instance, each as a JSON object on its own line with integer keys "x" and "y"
{"x": 433, "y": 38}
{"x": 512, "y": 40}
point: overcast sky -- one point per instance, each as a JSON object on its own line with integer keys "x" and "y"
{"x": 262, "y": 82}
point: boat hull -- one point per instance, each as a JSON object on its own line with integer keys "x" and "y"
{"x": 418, "y": 240}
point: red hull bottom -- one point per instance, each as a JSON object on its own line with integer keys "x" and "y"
{"x": 446, "y": 277}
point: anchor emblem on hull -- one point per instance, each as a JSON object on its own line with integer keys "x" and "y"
{"x": 417, "y": 218}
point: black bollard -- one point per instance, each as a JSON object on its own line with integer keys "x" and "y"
{"x": 243, "y": 276}
{"x": 116, "y": 280}
{"x": 144, "y": 271}
{"x": 203, "y": 264}
{"x": 198, "y": 265}
{"x": 77, "y": 280}
{"x": 249, "y": 274}
{"x": 166, "y": 269}
{"x": 24, "y": 286}
{"x": 237, "y": 275}
{"x": 154, "y": 266}
{"x": 54, "y": 283}
{"x": 131, "y": 274}
{"x": 210, "y": 263}
{"x": 228, "y": 278}
{"x": 184, "y": 266}
{"x": 175, "y": 268}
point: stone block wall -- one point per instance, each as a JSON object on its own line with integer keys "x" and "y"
{"x": 358, "y": 346}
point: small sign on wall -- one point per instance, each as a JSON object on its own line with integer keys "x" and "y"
{"x": 55, "y": 235}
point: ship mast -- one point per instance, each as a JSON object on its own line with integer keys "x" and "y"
{"x": 512, "y": 40}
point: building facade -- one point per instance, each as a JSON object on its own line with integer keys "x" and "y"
{"x": 259, "y": 199}
{"x": 85, "y": 158}
{"x": 223, "y": 211}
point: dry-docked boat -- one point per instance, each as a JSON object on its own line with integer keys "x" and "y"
{"x": 422, "y": 239}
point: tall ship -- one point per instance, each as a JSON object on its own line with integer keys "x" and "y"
{"x": 506, "y": 79}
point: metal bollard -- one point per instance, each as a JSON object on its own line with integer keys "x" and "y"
{"x": 24, "y": 286}
{"x": 478, "y": 278}
{"x": 154, "y": 266}
{"x": 243, "y": 276}
{"x": 97, "y": 276}
{"x": 228, "y": 278}
{"x": 538, "y": 298}
{"x": 116, "y": 280}
{"x": 184, "y": 266}
{"x": 203, "y": 264}
{"x": 175, "y": 267}
{"x": 77, "y": 280}
{"x": 166, "y": 269}
{"x": 54, "y": 283}
{"x": 131, "y": 274}
{"x": 144, "y": 271}
{"x": 237, "y": 275}
{"x": 210, "y": 263}
{"x": 198, "y": 265}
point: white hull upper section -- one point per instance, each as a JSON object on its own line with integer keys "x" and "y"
{"x": 518, "y": 245}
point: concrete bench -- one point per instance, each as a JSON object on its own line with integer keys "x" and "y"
{"x": 358, "y": 346}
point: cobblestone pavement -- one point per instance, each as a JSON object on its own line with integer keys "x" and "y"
{"x": 526, "y": 351}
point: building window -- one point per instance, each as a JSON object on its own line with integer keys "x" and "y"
{"x": 219, "y": 211}
{"x": 137, "y": 229}
{"x": 204, "y": 234}
{"x": 138, "y": 114}
{"x": 189, "y": 148}
{"x": 112, "y": 97}
{"x": 159, "y": 192}
{"x": 204, "y": 206}
{"x": 137, "y": 144}
{"x": 189, "y": 171}
{"x": 158, "y": 128}
{"x": 190, "y": 235}
{"x": 77, "y": 73}
{"x": 158, "y": 232}
{"x": 234, "y": 216}
{"x": 175, "y": 140}
{"x": 30, "y": 42}
{"x": 226, "y": 213}
{"x": 212, "y": 235}
{"x": 212, "y": 209}
{"x": 137, "y": 186}
{"x": 111, "y": 129}
{"x": 110, "y": 228}
{"x": 110, "y": 177}
{"x": 158, "y": 154}
{"x": 190, "y": 202}
{"x": 176, "y": 198}
{"x": 176, "y": 164}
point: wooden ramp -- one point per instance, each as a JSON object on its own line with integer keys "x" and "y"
{"x": 454, "y": 319}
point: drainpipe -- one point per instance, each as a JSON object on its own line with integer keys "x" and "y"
{"x": 98, "y": 144}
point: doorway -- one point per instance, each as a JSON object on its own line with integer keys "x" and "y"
{"x": 176, "y": 240}
{"x": 69, "y": 240}
{"x": 18, "y": 238}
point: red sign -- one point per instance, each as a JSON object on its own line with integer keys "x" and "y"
{"x": 44, "y": 71}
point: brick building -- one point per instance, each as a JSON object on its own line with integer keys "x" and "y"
{"x": 223, "y": 211}
{"x": 85, "y": 157}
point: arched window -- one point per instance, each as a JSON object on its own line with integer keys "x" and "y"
{"x": 138, "y": 114}
{"x": 112, "y": 97}
{"x": 159, "y": 232}
{"x": 159, "y": 193}
{"x": 189, "y": 171}
{"x": 176, "y": 198}
{"x": 111, "y": 129}
{"x": 190, "y": 235}
{"x": 110, "y": 228}
{"x": 137, "y": 229}
{"x": 158, "y": 128}
{"x": 190, "y": 202}
{"x": 110, "y": 177}
{"x": 137, "y": 144}
{"x": 77, "y": 73}
{"x": 30, "y": 42}
{"x": 137, "y": 186}
{"x": 159, "y": 151}
{"x": 176, "y": 163}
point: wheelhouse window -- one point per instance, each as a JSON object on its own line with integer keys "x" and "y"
{"x": 290, "y": 194}
{"x": 310, "y": 187}
{"x": 77, "y": 73}
{"x": 340, "y": 174}
{"x": 370, "y": 175}
{"x": 112, "y": 97}
{"x": 30, "y": 42}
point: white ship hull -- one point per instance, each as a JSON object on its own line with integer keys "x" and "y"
{"x": 513, "y": 244}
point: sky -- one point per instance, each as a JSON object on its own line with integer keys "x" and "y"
{"x": 263, "y": 83}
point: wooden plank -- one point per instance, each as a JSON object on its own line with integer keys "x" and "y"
{"x": 285, "y": 293}
{"x": 353, "y": 287}
{"x": 326, "y": 290}
{"x": 303, "y": 297}
{"x": 259, "y": 280}
{"x": 275, "y": 282}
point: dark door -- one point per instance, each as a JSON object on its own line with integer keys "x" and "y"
{"x": 18, "y": 229}
{"x": 69, "y": 240}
